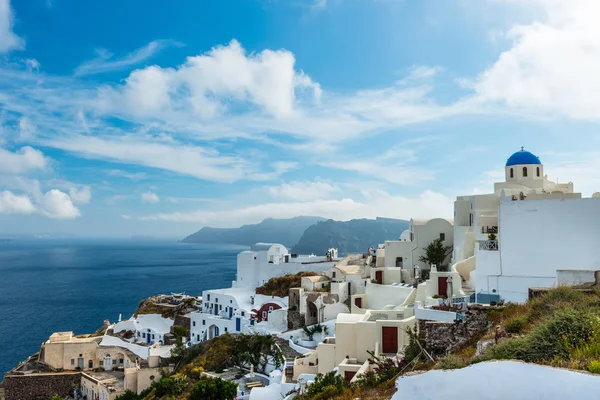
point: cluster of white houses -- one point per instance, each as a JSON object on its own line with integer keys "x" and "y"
{"x": 529, "y": 232}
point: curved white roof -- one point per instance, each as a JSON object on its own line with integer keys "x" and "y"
{"x": 143, "y": 322}
{"x": 423, "y": 221}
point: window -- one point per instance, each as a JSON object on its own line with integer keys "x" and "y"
{"x": 264, "y": 314}
{"x": 512, "y": 174}
{"x": 225, "y": 329}
{"x": 114, "y": 362}
{"x": 101, "y": 363}
{"x": 120, "y": 361}
{"x": 90, "y": 364}
{"x": 243, "y": 314}
{"x": 538, "y": 171}
{"x": 333, "y": 274}
{"x": 442, "y": 236}
{"x": 270, "y": 308}
{"x": 144, "y": 335}
{"x": 217, "y": 300}
{"x": 203, "y": 322}
{"x": 365, "y": 283}
{"x": 153, "y": 336}
{"x": 194, "y": 323}
{"x": 524, "y": 172}
{"x": 230, "y": 301}
{"x": 72, "y": 361}
{"x": 197, "y": 338}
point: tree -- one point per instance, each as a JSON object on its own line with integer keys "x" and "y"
{"x": 435, "y": 253}
{"x": 213, "y": 389}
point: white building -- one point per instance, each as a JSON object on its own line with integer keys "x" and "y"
{"x": 146, "y": 328}
{"x": 239, "y": 309}
{"x": 517, "y": 237}
{"x": 378, "y": 321}
{"x": 233, "y": 310}
{"x": 267, "y": 260}
{"x": 397, "y": 259}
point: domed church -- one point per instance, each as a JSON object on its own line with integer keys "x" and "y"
{"x": 524, "y": 173}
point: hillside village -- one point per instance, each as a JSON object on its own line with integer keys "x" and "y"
{"x": 450, "y": 292}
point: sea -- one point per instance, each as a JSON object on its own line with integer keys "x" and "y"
{"x": 51, "y": 285}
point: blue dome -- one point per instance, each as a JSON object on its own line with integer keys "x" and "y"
{"x": 523, "y": 157}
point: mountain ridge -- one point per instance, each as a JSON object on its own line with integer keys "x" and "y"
{"x": 285, "y": 231}
{"x": 353, "y": 236}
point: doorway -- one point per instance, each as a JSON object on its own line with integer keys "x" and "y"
{"x": 443, "y": 286}
{"x": 379, "y": 277}
{"x": 389, "y": 337}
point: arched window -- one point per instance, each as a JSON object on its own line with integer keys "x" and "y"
{"x": 512, "y": 173}
{"x": 524, "y": 172}
{"x": 538, "y": 171}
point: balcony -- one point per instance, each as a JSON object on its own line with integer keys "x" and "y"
{"x": 488, "y": 245}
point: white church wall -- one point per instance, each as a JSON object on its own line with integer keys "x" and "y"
{"x": 539, "y": 237}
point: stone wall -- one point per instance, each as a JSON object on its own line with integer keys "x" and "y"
{"x": 295, "y": 319}
{"x": 442, "y": 337}
{"x": 39, "y": 386}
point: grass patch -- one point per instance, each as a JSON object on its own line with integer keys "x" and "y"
{"x": 280, "y": 286}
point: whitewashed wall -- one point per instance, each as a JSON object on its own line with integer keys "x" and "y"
{"x": 539, "y": 237}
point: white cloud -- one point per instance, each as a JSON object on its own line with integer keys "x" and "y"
{"x": 552, "y": 67}
{"x": 24, "y": 160}
{"x": 150, "y": 197}
{"x": 8, "y": 39}
{"x": 32, "y": 64}
{"x": 134, "y": 176}
{"x": 304, "y": 190}
{"x": 428, "y": 204}
{"x": 80, "y": 195}
{"x": 106, "y": 62}
{"x": 184, "y": 159}
{"x": 266, "y": 80}
{"x": 53, "y": 204}
{"x": 58, "y": 205}
{"x": 15, "y": 204}
{"x": 27, "y": 130}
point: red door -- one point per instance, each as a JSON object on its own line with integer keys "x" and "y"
{"x": 443, "y": 286}
{"x": 389, "y": 335}
{"x": 358, "y": 302}
{"x": 348, "y": 375}
{"x": 379, "y": 277}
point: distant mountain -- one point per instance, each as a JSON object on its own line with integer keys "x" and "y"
{"x": 284, "y": 231}
{"x": 354, "y": 236}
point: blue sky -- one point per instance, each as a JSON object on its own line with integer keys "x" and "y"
{"x": 142, "y": 117}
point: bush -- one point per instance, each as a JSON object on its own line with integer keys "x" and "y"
{"x": 181, "y": 331}
{"x": 594, "y": 367}
{"x": 516, "y": 324}
{"x": 334, "y": 384}
{"x": 173, "y": 385}
{"x": 213, "y": 389}
{"x": 557, "y": 337}
{"x": 128, "y": 395}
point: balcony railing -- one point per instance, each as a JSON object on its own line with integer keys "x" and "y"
{"x": 488, "y": 245}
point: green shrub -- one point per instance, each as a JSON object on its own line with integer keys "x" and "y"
{"x": 213, "y": 389}
{"x": 173, "y": 385}
{"x": 557, "y": 337}
{"x": 594, "y": 367}
{"x": 129, "y": 395}
{"x": 333, "y": 383}
{"x": 516, "y": 324}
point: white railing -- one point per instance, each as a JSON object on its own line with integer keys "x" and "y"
{"x": 488, "y": 245}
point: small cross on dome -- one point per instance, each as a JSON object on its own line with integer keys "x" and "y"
{"x": 522, "y": 148}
